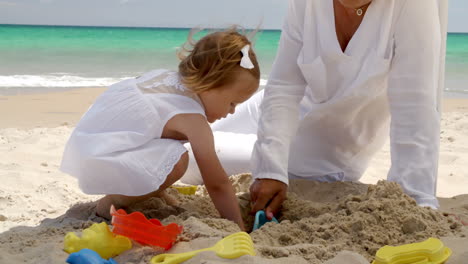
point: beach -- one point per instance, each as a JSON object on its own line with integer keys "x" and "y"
{"x": 320, "y": 223}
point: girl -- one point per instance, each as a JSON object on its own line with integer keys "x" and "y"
{"x": 129, "y": 145}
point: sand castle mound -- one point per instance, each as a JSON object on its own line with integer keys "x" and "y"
{"x": 318, "y": 219}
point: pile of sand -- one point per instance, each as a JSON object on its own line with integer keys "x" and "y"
{"x": 319, "y": 222}
{"x": 382, "y": 215}
{"x": 321, "y": 219}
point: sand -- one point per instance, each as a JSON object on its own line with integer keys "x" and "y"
{"x": 320, "y": 223}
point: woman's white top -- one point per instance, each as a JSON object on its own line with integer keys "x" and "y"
{"x": 117, "y": 148}
{"x": 333, "y": 109}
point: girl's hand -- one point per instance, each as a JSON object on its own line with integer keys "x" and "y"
{"x": 199, "y": 134}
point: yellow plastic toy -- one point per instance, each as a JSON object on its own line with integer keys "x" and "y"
{"x": 187, "y": 190}
{"x": 99, "y": 238}
{"x": 431, "y": 251}
{"x": 230, "y": 247}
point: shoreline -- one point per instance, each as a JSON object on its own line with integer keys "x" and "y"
{"x": 52, "y": 108}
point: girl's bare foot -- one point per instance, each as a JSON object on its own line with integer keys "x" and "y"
{"x": 169, "y": 199}
{"x": 104, "y": 204}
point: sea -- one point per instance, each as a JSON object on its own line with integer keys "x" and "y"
{"x": 38, "y": 58}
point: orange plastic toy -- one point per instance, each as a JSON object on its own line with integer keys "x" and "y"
{"x": 150, "y": 232}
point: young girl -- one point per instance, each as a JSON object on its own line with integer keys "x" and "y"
{"x": 129, "y": 145}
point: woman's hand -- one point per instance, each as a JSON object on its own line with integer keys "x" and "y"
{"x": 267, "y": 194}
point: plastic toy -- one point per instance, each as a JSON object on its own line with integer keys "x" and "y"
{"x": 150, "y": 232}
{"x": 187, "y": 190}
{"x": 87, "y": 256}
{"x": 431, "y": 251}
{"x": 261, "y": 219}
{"x": 230, "y": 247}
{"x": 99, "y": 238}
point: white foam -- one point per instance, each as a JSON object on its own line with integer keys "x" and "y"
{"x": 15, "y": 81}
{"x": 18, "y": 81}
{"x": 456, "y": 90}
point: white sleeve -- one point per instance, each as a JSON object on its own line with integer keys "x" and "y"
{"x": 280, "y": 107}
{"x": 412, "y": 92}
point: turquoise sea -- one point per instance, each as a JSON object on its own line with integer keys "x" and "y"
{"x": 58, "y": 57}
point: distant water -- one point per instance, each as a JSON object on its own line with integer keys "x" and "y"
{"x": 456, "y": 68}
{"x": 33, "y": 57}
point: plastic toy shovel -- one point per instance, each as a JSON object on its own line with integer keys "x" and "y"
{"x": 87, "y": 256}
{"x": 261, "y": 219}
{"x": 230, "y": 247}
{"x": 187, "y": 190}
{"x": 431, "y": 251}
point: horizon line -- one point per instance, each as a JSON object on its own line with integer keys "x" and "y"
{"x": 155, "y": 27}
{"x": 149, "y": 27}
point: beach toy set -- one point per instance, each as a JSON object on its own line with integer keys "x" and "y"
{"x": 98, "y": 243}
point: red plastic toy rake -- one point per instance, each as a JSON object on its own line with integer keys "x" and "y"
{"x": 150, "y": 232}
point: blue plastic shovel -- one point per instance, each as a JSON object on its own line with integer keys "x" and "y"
{"x": 87, "y": 256}
{"x": 261, "y": 219}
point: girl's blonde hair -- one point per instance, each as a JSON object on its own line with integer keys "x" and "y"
{"x": 214, "y": 60}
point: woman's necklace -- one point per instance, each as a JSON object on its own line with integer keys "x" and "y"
{"x": 360, "y": 10}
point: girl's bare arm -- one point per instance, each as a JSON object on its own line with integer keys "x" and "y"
{"x": 199, "y": 134}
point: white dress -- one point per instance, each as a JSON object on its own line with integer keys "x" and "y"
{"x": 117, "y": 148}
{"x": 333, "y": 110}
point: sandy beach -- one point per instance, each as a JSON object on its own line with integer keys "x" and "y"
{"x": 333, "y": 223}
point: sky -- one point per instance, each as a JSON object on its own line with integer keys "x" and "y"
{"x": 169, "y": 13}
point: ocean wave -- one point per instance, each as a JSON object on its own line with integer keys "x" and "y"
{"x": 70, "y": 81}
{"x": 455, "y": 90}
{"x": 18, "y": 81}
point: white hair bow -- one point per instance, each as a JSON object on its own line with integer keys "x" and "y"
{"x": 246, "y": 63}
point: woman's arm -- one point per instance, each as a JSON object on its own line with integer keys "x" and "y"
{"x": 279, "y": 115}
{"x": 412, "y": 92}
{"x": 220, "y": 189}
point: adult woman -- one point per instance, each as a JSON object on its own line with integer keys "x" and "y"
{"x": 346, "y": 72}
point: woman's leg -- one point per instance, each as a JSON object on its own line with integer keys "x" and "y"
{"x": 119, "y": 201}
{"x": 332, "y": 177}
{"x": 234, "y": 137}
